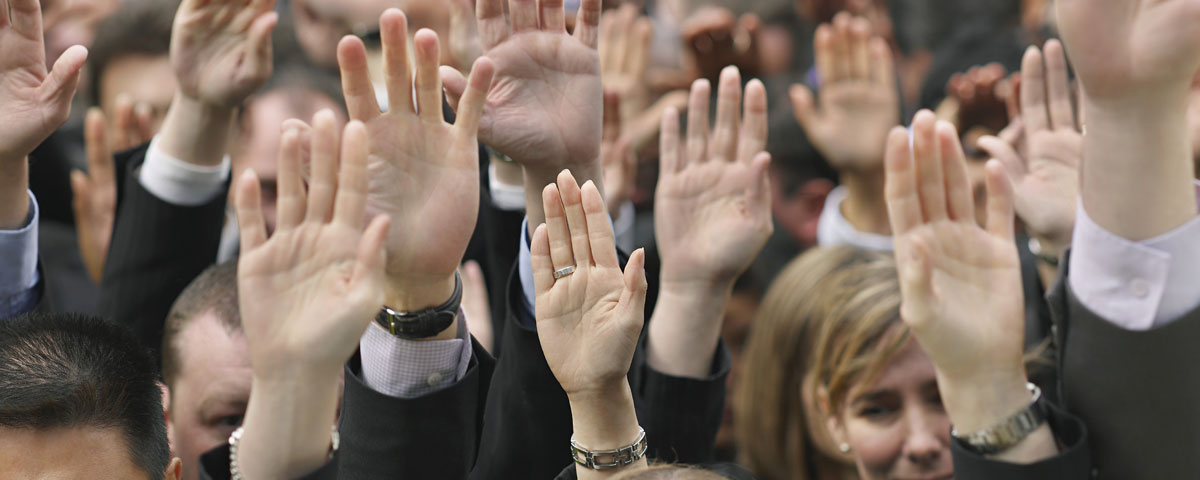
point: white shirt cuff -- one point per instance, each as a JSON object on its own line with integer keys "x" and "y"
{"x": 409, "y": 369}
{"x": 180, "y": 183}
{"x": 1136, "y": 285}
{"x": 506, "y": 197}
{"x": 834, "y": 229}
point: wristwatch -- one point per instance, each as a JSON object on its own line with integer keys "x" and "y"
{"x": 1011, "y": 431}
{"x": 425, "y": 323}
{"x": 609, "y": 459}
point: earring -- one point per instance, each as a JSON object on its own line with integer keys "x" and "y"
{"x": 844, "y": 447}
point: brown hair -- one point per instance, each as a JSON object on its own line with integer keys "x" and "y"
{"x": 824, "y": 322}
{"x": 213, "y": 291}
{"x": 139, "y": 27}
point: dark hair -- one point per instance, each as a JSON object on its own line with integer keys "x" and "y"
{"x": 70, "y": 370}
{"x": 139, "y": 27}
{"x": 215, "y": 291}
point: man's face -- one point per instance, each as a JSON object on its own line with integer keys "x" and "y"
{"x": 210, "y": 392}
{"x": 147, "y": 80}
{"x": 321, "y": 23}
{"x": 68, "y": 453}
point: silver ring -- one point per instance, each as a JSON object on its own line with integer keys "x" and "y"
{"x": 562, "y": 272}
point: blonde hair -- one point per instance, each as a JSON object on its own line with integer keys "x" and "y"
{"x": 823, "y": 324}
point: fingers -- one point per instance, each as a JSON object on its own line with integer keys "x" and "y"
{"x": 556, "y": 228}
{"x": 860, "y": 48}
{"x": 959, "y": 196}
{"x": 841, "y": 46}
{"x": 470, "y": 109}
{"x": 552, "y": 17}
{"x": 802, "y": 105}
{"x": 1005, "y": 154}
{"x": 729, "y": 100}
{"x": 259, "y": 45}
{"x": 523, "y": 14}
{"x": 900, "y": 187}
{"x": 599, "y": 229}
{"x": 429, "y": 83}
{"x": 143, "y": 125}
{"x": 587, "y": 22}
{"x": 760, "y": 190}
{"x": 393, "y": 29}
{"x": 290, "y": 205}
{"x": 753, "y": 138}
{"x": 371, "y": 258}
{"x": 60, "y": 85}
{"x": 454, "y": 84}
{"x": 634, "y": 294}
{"x": 25, "y": 16}
{"x": 1058, "y": 87}
{"x": 697, "y": 122}
{"x": 251, "y": 227}
{"x": 999, "y": 202}
{"x": 99, "y": 157}
{"x": 927, "y": 158}
{"x": 916, "y": 287}
{"x": 356, "y": 80}
{"x": 493, "y": 27}
{"x": 572, "y": 200}
{"x": 322, "y": 187}
{"x": 638, "y": 59}
{"x": 883, "y": 71}
{"x": 671, "y": 159}
{"x": 1033, "y": 91}
{"x": 823, "y": 54}
{"x": 539, "y": 257}
{"x": 351, "y": 203}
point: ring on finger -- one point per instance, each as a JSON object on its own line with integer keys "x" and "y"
{"x": 565, "y": 271}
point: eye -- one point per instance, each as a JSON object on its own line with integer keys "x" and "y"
{"x": 875, "y": 411}
{"x": 231, "y": 421}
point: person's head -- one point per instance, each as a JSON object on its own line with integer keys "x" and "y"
{"x": 320, "y": 24}
{"x": 830, "y": 365}
{"x": 79, "y": 397}
{"x": 670, "y": 472}
{"x": 293, "y": 92}
{"x": 130, "y": 56}
{"x": 206, "y": 365}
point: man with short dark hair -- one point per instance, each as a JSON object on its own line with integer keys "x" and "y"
{"x": 78, "y": 397}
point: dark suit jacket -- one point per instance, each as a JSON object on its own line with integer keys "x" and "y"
{"x": 157, "y": 249}
{"x": 1132, "y": 389}
{"x": 434, "y": 436}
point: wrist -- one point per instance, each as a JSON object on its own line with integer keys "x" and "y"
{"x": 415, "y": 294}
{"x": 982, "y": 401}
{"x": 865, "y": 206}
{"x": 287, "y": 425}
{"x": 14, "y": 195}
{"x": 196, "y": 131}
{"x": 686, "y": 328}
{"x": 604, "y": 418}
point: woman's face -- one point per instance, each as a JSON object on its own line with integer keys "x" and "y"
{"x": 896, "y": 427}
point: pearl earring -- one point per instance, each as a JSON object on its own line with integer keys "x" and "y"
{"x": 844, "y": 447}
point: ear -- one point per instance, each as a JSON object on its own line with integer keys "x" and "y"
{"x": 813, "y": 195}
{"x": 166, "y": 405}
{"x": 174, "y": 469}
{"x": 833, "y": 424}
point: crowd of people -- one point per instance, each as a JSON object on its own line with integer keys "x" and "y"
{"x": 536, "y": 239}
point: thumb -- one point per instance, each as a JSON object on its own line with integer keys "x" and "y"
{"x": 368, "y": 276}
{"x": 454, "y": 83}
{"x": 802, "y": 105}
{"x": 59, "y": 87}
{"x": 916, "y": 287}
{"x": 633, "y": 296}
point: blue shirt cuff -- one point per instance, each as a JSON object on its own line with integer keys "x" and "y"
{"x": 18, "y": 256}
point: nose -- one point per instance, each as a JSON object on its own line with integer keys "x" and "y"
{"x": 928, "y": 437}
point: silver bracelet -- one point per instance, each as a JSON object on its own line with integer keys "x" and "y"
{"x": 607, "y": 459}
{"x": 235, "y": 438}
{"x": 1010, "y": 431}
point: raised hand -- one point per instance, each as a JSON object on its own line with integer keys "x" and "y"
{"x": 423, "y": 172}
{"x": 590, "y": 317}
{"x": 544, "y": 108}
{"x": 221, "y": 49}
{"x": 34, "y": 101}
{"x": 714, "y": 38}
{"x": 306, "y": 295}
{"x": 1046, "y": 177}
{"x": 712, "y": 217}
{"x": 624, "y": 59}
{"x": 976, "y": 98}
{"x": 858, "y": 97}
{"x": 95, "y": 192}
{"x": 617, "y": 157}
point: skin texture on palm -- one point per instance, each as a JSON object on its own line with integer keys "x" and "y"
{"x": 588, "y": 321}
{"x": 1045, "y": 177}
{"x": 34, "y": 100}
{"x": 960, "y": 282}
{"x": 1135, "y": 60}
{"x": 422, "y": 170}
{"x": 306, "y": 295}
{"x": 712, "y": 218}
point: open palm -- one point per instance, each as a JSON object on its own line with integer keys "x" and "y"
{"x": 423, "y": 172}
{"x": 712, "y": 206}
{"x": 961, "y": 284}
{"x": 221, "y": 49}
{"x": 34, "y": 101}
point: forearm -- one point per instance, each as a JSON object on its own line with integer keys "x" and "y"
{"x": 605, "y": 420}
{"x": 287, "y": 427}
{"x": 1136, "y": 179}
{"x": 196, "y": 132}
{"x": 980, "y": 403}
{"x": 537, "y": 179}
{"x": 865, "y": 206}
{"x": 14, "y": 194}
{"x": 685, "y": 328}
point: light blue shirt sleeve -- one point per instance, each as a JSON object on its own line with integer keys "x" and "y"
{"x": 18, "y": 266}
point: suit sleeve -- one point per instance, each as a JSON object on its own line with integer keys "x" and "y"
{"x": 681, "y": 415}
{"x": 157, "y": 248}
{"x": 214, "y": 465}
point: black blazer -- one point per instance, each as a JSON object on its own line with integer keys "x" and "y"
{"x": 157, "y": 249}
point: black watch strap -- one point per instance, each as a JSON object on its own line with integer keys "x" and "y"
{"x": 425, "y": 323}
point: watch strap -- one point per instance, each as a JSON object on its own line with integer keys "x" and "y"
{"x": 424, "y": 323}
{"x": 1011, "y": 431}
